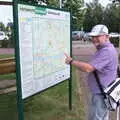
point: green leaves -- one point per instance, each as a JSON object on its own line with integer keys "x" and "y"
{"x": 97, "y": 14}
{"x": 74, "y": 6}
{"x": 112, "y": 17}
{"x": 2, "y": 26}
{"x": 93, "y": 15}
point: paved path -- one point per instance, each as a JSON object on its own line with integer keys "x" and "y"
{"x": 7, "y": 83}
{"x": 7, "y": 51}
{"x": 7, "y": 86}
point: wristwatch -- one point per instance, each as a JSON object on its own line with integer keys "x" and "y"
{"x": 70, "y": 62}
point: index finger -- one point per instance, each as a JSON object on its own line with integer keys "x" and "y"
{"x": 66, "y": 55}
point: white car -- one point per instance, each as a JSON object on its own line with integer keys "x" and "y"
{"x": 114, "y": 35}
{"x": 3, "y": 36}
{"x": 77, "y": 35}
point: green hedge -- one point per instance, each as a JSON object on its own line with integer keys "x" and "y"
{"x": 115, "y": 41}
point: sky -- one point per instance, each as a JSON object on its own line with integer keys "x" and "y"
{"x": 6, "y": 14}
{"x": 6, "y": 11}
{"x": 6, "y": 0}
{"x": 103, "y": 2}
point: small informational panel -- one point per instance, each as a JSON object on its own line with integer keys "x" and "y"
{"x": 44, "y": 37}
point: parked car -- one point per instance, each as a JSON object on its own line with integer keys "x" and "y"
{"x": 3, "y": 36}
{"x": 77, "y": 35}
{"x": 114, "y": 34}
{"x": 86, "y": 37}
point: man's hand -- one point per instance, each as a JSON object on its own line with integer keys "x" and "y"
{"x": 83, "y": 66}
{"x": 68, "y": 59}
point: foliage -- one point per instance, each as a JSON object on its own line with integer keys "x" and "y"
{"x": 53, "y": 3}
{"x": 10, "y": 33}
{"x": 2, "y": 26}
{"x": 93, "y": 15}
{"x": 115, "y": 1}
{"x": 97, "y": 14}
{"x": 33, "y": 1}
{"x": 74, "y": 6}
{"x": 82, "y": 17}
{"x": 112, "y": 17}
{"x": 4, "y": 43}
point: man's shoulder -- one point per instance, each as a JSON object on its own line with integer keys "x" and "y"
{"x": 106, "y": 52}
{"x": 109, "y": 48}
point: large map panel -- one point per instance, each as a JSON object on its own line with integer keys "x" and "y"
{"x": 44, "y": 37}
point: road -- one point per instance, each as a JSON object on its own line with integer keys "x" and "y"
{"x": 7, "y": 51}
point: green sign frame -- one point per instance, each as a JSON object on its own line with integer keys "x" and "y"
{"x": 40, "y": 10}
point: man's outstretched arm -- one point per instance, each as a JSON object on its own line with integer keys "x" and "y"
{"x": 83, "y": 66}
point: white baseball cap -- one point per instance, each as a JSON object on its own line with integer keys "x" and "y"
{"x": 99, "y": 30}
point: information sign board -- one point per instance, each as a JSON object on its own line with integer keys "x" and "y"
{"x": 44, "y": 37}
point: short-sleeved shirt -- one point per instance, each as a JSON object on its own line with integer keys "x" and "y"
{"x": 105, "y": 61}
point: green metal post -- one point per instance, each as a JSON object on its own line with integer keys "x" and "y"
{"x": 70, "y": 80}
{"x": 18, "y": 76}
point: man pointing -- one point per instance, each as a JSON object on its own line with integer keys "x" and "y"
{"x": 105, "y": 62}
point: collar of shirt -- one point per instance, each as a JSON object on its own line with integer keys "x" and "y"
{"x": 107, "y": 43}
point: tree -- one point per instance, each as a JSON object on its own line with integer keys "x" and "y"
{"x": 53, "y": 3}
{"x": 2, "y": 26}
{"x": 34, "y": 1}
{"x": 70, "y": 5}
{"x": 10, "y": 33}
{"x": 115, "y": 1}
{"x": 77, "y": 11}
{"x": 74, "y": 6}
{"x": 112, "y": 17}
{"x": 93, "y": 15}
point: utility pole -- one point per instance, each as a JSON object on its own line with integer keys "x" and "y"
{"x": 118, "y": 110}
{"x": 60, "y": 2}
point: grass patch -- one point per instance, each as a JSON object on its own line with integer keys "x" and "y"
{"x": 10, "y": 76}
{"x": 51, "y": 104}
{"x": 6, "y": 56}
{"x": 8, "y": 107}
